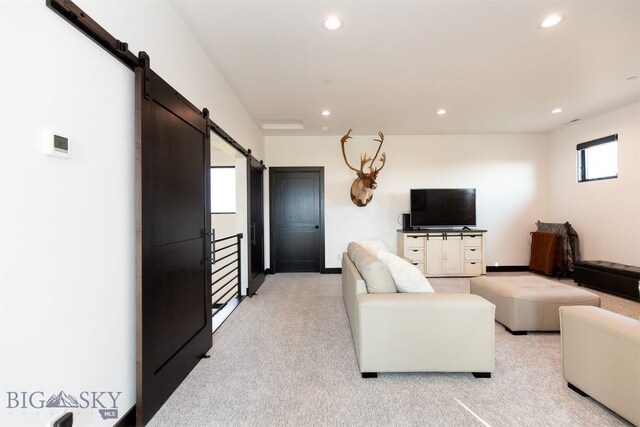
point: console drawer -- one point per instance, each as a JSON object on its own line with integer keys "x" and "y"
{"x": 411, "y": 241}
{"x": 472, "y": 254}
{"x": 472, "y": 241}
{"x": 473, "y": 268}
{"x": 416, "y": 255}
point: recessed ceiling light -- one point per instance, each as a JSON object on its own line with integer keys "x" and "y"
{"x": 551, "y": 21}
{"x": 556, "y": 110}
{"x": 326, "y": 113}
{"x": 325, "y": 128}
{"x": 441, "y": 112}
{"x": 332, "y": 22}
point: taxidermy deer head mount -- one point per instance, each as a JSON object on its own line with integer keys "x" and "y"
{"x": 363, "y": 186}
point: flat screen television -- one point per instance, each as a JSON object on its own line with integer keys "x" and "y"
{"x": 443, "y": 207}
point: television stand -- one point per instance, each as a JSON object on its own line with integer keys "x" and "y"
{"x": 445, "y": 251}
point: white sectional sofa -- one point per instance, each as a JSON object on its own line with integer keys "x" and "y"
{"x": 415, "y": 332}
{"x": 601, "y": 357}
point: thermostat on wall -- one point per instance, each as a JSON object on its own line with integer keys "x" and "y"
{"x": 55, "y": 145}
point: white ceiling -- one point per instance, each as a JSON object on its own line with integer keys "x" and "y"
{"x": 395, "y": 62}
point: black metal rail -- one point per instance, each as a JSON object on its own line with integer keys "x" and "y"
{"x": 226, "y": 276}
{"x": 83, "y": 22}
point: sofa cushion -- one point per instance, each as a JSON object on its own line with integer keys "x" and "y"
{"x": 406, "y": 276}
{"x": 375, "y": 273}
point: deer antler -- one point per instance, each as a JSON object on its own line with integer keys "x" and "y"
{"x": 364, "y": 159}
{"x": 383, "y": 158}
{"x": 343, "y": 140}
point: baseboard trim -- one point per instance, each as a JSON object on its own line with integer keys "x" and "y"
{"x": 507, "y": 268}
{"x": 338, "y": 270}
{"x": 323, "y": 270}
{"x": 128, "y": 419}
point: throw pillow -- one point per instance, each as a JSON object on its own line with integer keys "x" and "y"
{"x": 375, "y": 273}
{"x": 373, "y": 246}
{"x": 406, "y": 275}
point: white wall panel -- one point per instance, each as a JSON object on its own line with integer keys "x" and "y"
{"x": 508, "y": 171}
{"x": 604, "y": 213}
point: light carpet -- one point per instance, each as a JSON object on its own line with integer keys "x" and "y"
{"x": 286, "y": 357}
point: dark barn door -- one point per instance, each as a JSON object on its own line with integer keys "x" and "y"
{"x": 255, "y": 171}
{"x": 172, "y": 240}
{"x": 297, "y": 223}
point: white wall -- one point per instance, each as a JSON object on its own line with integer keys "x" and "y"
{"x": 604, "y": 213}
{"x": 67, "y": 266}
{"x": 508, "y": 171}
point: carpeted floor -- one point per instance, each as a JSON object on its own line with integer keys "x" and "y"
{"x": 286, "y": 357}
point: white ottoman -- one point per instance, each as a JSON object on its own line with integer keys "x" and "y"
{"x": 529, "y": 303}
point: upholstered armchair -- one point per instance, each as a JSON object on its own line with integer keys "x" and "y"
{"x": 601, "y": 357}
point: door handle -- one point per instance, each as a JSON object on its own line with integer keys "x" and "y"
{"x": 316, "y": 227}
{"x": 253, "y": 233}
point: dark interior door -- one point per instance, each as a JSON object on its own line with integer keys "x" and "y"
{"x": 255, "y": 170}
{"x": 297, "y": 226}
{"x": 172, "y": 240}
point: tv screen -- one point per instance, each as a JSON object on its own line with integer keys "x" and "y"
{"x": 443, "y": 207}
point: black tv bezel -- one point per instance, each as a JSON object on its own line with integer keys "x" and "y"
{"x": 443, "y": 226}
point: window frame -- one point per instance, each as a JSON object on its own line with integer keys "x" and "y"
{"x": 581, "y": 157}
{"x": 235, "y": 204}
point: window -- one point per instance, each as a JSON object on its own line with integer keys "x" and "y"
{"x": 598, "y": 159}
{"x": 223, "y": 189}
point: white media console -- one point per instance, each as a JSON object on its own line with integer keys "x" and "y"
{"x": 444, "y": 252}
